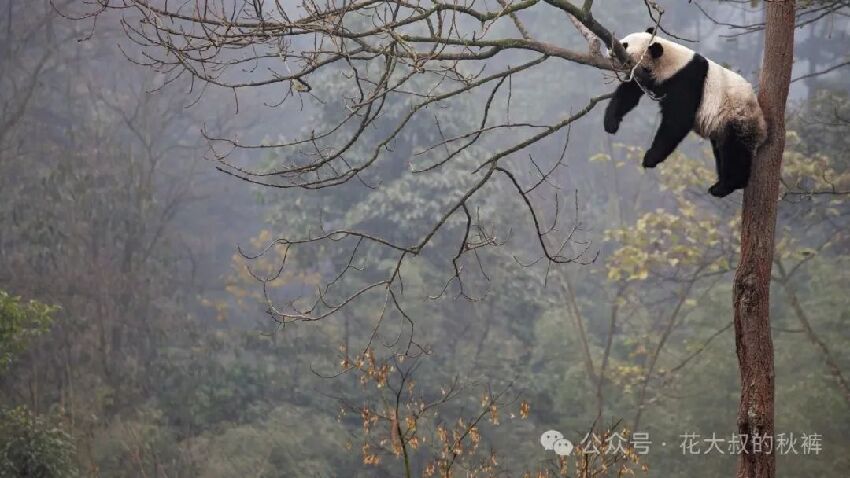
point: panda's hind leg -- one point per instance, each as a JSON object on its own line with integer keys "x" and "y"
{"x": 722, "y": 187}
{"x": 738, "y": 156}
{"x": 734, "y": 161}
{"x": 715, "y": 147}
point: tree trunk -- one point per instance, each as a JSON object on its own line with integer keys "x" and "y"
{"x": 753, "y": 341}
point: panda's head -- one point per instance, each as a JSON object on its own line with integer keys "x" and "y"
{"x": 663, "y": 58}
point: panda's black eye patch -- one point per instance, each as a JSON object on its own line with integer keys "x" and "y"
{"x": 625, "y": 45}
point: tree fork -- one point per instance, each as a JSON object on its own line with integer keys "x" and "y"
{"x": 753, "y": 341}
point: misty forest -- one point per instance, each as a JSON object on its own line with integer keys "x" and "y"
{"x": 391, "y": 238}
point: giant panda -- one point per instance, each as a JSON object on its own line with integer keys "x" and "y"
{"x": 695, "y": 94}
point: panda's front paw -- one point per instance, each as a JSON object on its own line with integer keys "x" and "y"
{"x": 720, "y": 190}
{"x": 611, "y": 124}
{"x": 651, "y": 159}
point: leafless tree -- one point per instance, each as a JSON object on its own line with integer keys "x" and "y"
{"x": 425, "y": 54}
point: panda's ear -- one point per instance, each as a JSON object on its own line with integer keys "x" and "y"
{"x": 651, "y": 30}
{"x": 656, "y": 50}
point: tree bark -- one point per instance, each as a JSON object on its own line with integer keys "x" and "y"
{"x": 753, "y": 341}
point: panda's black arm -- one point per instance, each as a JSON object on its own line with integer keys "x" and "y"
{"x": 625, "y": 98}
{"x": 678, "y": 113}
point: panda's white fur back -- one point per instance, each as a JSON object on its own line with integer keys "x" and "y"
{"x": 727, "y": 96}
